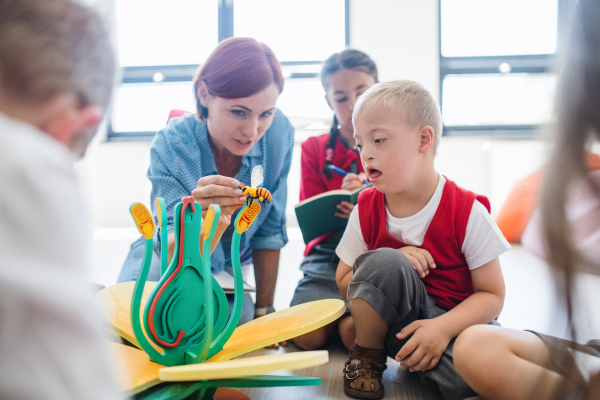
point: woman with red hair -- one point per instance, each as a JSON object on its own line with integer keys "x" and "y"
{"x": 210, "y": 153}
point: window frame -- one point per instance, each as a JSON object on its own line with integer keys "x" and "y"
{"x": 534, "y": 64}
{"x": 185, "y": 73}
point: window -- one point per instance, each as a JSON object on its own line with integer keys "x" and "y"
{"x": 161, "y": 44}
{"x": 498, "y": 99}
{"x": 144, "y": 107}
{"x": 159, "y": 32}
{"x": 307, "y": 30}
{"x": 475, "y": 28}
{"x": 497, "y": 62}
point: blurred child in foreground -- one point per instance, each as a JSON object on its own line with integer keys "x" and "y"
{"x": 502, "y": 363}
{"x": 56, "y": 78}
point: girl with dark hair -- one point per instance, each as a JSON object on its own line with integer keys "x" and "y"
{"x": 210, "y": 154}
{"x": 500, "y": 363}
{"x": 344, "y": 76}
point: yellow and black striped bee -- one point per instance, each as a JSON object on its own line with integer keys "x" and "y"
{"x": 253, "y": 192}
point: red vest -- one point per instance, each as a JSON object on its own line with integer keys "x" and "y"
{"x": 450, "y": 282}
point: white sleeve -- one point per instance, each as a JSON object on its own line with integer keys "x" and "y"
{"x": 483, "y": 240}
{"x": 352, "y": 244}
{"x": 52, "y": 345}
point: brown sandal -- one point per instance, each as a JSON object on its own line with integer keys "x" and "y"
{"x": 369, "y": 370}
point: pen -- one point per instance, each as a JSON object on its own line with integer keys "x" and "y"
{"x": 340, "y": 171}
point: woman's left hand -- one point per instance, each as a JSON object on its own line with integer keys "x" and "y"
{"x": 222, "y": 224}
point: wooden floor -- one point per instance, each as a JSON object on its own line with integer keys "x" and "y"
{"x": 399, "y": 383}
{"x": 530, "y": 304}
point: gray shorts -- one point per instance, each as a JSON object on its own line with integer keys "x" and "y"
{"x": 386, "y": 280}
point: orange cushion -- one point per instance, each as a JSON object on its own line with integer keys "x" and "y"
{"x": 523, "y": 199}
{"x": 520, "y": 204}
{"x": 593, "y": 161}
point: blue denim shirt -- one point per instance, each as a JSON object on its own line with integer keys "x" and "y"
{"x": 180, "y": 155}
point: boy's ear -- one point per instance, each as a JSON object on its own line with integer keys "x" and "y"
{"x": 66, "y": 119}
{"x": 88, "y": 117}
{"x": 426, "y": 139}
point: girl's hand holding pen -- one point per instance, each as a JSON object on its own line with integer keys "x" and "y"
{"x": 340, "y": 171}
{"x": 351, "y": 182}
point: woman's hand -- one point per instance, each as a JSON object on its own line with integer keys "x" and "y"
{"x": 221, "y": 190}
{"x": 352, "y": 181}
{"x": 345, "y": 209}
{"x": 222, "y": 224}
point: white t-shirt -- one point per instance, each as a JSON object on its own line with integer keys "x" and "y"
{"x": 483, "y": 239}
{"x": 51, "y": 342}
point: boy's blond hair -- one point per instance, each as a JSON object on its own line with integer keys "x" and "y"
{"x": 54, "y": 47}
{"x": 409, "y": 101}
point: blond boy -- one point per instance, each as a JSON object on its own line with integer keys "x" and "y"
{"x": 419, "y": 257}
{"x": 57, "y": 72}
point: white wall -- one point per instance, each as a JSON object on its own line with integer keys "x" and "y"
{"x": 401, "y": 36}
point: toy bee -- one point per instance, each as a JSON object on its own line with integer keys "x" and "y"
{"x": 255, "y": 193}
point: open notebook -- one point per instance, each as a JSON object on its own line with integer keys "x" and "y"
{"x": 225, "y": 279}
{"x": 316, "y": 214}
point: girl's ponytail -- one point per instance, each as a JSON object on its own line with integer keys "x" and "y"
{"x": 333, "y": 135}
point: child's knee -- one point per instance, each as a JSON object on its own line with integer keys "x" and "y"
{"x": 469, "y": 347}
{"x": 347, "y": 331}
{"x": 359, "y": 305}
{"x": 312, "y": 340}
{"x": 386, "y": 263}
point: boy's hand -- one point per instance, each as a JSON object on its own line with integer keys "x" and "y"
{"x": 420, "y": 259}
{"x": 345, "y": 209}
{"x": 423, "y": 350}
{"x": 352, "y": 181}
